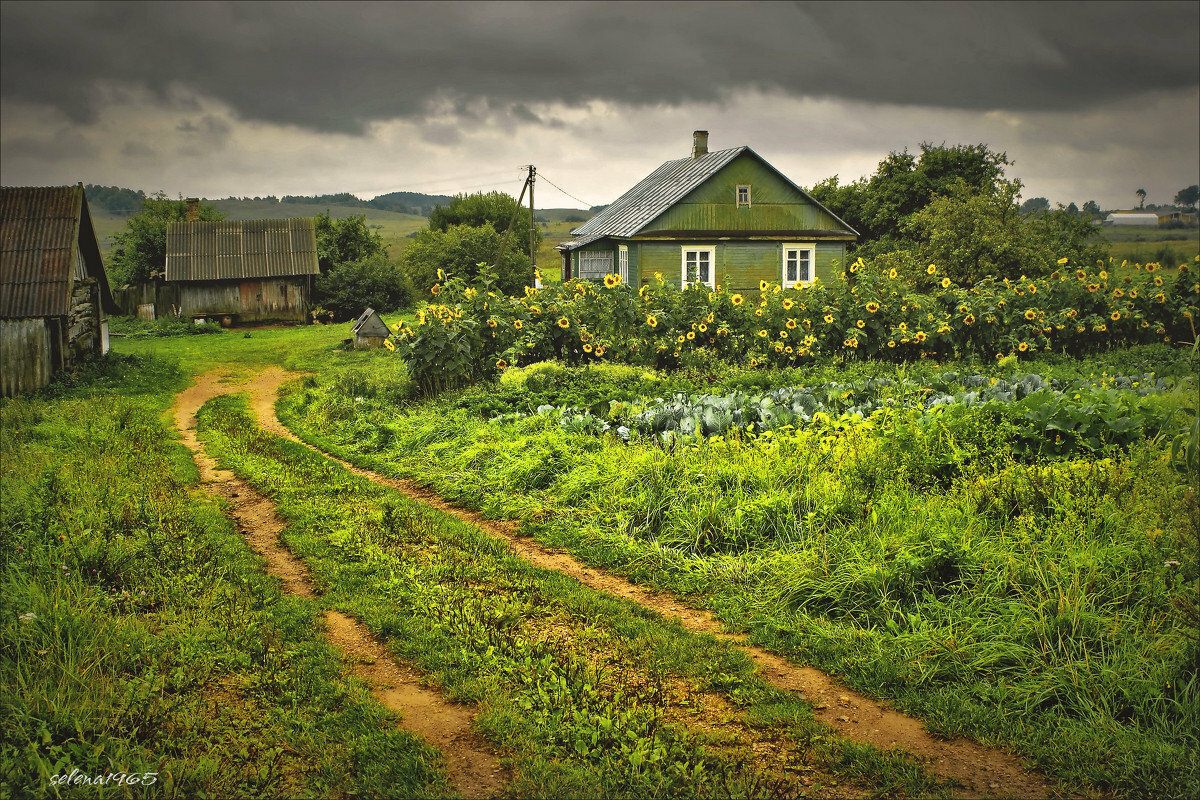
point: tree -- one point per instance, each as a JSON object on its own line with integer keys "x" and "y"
{"x": 972, "y": 235}
{"x": 342, "y": 241}
{"x": 373, "y": 282}
{"x": 1035, "y": 205}
{"x": 1073, "y": 210}
{"x": 1091, "y": 208}
{"x": 1188, "y": 197}
{"x": 142, "y": 247}
{"x": 457, "y": 251}
{"x": 902, "y": 185}
{"x": 1141, "y": 193}
{"x": 495, "y": 209}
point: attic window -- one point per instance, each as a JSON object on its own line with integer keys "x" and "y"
{"x": 743, "y": 195}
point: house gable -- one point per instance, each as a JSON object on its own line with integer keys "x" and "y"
{"x": 776, "y": 207}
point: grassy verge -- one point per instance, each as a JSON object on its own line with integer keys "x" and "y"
{"x": 591, "y": 695}
{"x": 1046, "y": 602}
{"x": 138, "y": 633}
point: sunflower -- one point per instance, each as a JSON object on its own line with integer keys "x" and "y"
{"x": 1158, "y": 280}
{"x": 691, "y": 334}
{"x": 702, "y": 327}
{"x": 1023, "y": 347}
{"x": 753, "y": 363}
{"x": 787, "y": 304}
{"x": 758, "y": 312}
{"x": 501, "y": 364}
{"x": 1080, "y": 274}
{"x": 872, "y": 307}
{"x": 851, "y": 342}
{"x": 518, "y": 324}
{"x": 1116, "y": 315}
{"x": 891, "y": 343}
{"x": 1093, "y": 287}
{"x": 762, "y": 286}
{"x": 681, "y": 339}
{"x": 1032, "y": 289}
{"x": 945, "y": 283}
{"x": 969, "y": 319}
{"x": 1133, "y": 294}
{"x": 1160, "y": 298}
{"x": 388, "y": 344}
{"x": 587, "y": 348}
{"x": 1103, "y": 275}
{"x": 783, "y": 334}
{"x": 652, "y": 321}
{"x": 1151, "y": 267}
{"x": 1030, "y": 314}
{"x": 919, "y": 337}
{"x": 491, "y": 323}
{"x": 737, "y": 299}
{"x": 791, "y": 324}
{"x": 1071, "y": 313}
{"x": 563, "y": 322}
{"x": 903, "y": 326}
{"x": 611, "y": 280}
{"x": 1062, "y": 261}
{"x": 829, "y": 318}
{"x": 778, "y": 347}
{"x": 861, "y": 324}
{"x": 763, "y": 334}
{"x": 931, "y": 269}
{"x": 787, "y": 349}
{"x": 436, "y": 289}
{"x": 1118, "y": 292}
{"x": 892, "y": 273}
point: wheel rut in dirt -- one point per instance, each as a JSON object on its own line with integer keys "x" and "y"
{"x": 474, "y": 771}
{"x": 979, "y": 771}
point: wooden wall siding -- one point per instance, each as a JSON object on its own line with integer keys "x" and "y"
{"x": 774, "y": 205}
{"x": 740, "y": 265}
{"x": 83, "y": 322}
{"x": 25, "y": 355}
{"x": 270, "y": 300}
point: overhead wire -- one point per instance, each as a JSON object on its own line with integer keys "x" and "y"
{"x": 542, "y": 175}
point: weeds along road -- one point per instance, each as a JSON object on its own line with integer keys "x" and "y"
{"x": 978, "y": 771}
{"x": 472, "y": 767}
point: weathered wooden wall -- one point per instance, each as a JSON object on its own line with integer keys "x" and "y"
{"x": 83, "y": 324}
{"x": 266, "y": 300}
{"x": 26, "y": 356}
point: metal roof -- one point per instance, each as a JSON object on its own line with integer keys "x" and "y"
{"x": 661, "y": 189}
{"x": 252, "y": 248}
{"x": 42, "y": 231}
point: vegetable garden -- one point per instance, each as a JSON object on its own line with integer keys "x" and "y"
{"x": 929, "y": 494}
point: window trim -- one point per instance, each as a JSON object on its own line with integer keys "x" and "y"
{"x": 737, "y": 195}
{"x": 623, "y": 262}
{"x": 811, "y": 247}
{"x": 711, "y": 249}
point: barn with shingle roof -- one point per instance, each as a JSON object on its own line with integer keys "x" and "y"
{"x": 726, "y": 217}
{"x": 243, "y": 271}
{"x": 54, "y": 295}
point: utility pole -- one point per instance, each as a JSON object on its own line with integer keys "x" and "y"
{"x": 533, "y": 229}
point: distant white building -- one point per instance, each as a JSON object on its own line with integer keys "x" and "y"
{"x": 1131, "y": 218}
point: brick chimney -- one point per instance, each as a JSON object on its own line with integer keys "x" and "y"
{"x": 699, "y": 144}
{"x": 193, "y": 210}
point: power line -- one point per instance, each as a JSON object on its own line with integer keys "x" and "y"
{"x": 542, "y": 175}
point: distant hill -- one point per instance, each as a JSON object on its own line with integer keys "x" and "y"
{"x": 409, "y": 202}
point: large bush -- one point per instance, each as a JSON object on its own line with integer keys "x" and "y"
{"x": 494, "y": 209}
{"x": 374, "y": 282}
{"x": 458, "y": 251}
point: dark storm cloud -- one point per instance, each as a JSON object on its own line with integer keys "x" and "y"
{"x": 339, "y": 66}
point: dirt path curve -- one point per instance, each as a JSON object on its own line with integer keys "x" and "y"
{"x": 981, "y": 771}
{"x": 472, "y": 767}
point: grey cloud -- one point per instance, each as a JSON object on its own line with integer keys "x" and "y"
{"x": 339, "y": 66}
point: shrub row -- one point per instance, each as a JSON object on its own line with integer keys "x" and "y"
{"x": 475, "y": 330}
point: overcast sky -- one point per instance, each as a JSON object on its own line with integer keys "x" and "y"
{"x": 1090, "y": 100}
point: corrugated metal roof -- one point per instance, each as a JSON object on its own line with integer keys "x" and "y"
{"x": 253, "y": 248}
{"x": 661, "y": 189}
{"x": 39, "y": 236}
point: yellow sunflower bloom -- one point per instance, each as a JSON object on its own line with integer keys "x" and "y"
{"x": 860, "y": 324}
{"x": 931, "y": 269}
{"x": 791, "y": 324}
{"x": 518, "y": 324}
{"x": 563, "y": 322}
{"x": 892, "y": 273}
{"x": 787, "y": 304}
{"x": 829, "y": 318}
{"x": 945, "y": 283}
{"x": 737, "y": 299}
{"x": 872, "y": 307}
{"x": 970, "y": 319}
{"x": 1030, "y": 314}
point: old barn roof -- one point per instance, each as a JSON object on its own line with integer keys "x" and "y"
{"x": 253, "y": 248}
{"x": 661, "y": 189}
{"x": 42, "y": 232}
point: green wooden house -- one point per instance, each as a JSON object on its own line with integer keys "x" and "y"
{"x": 726, "y": 218}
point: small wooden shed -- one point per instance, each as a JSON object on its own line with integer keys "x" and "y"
{"x": 54, "y": 294}
{"x": 370, "y": 331}
{"x": 258, "y": 270}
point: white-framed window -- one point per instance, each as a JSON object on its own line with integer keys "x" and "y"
{"x": 595, "y": 264}
{"x": 799, "y": 264}
{"x": 623, "y": 263}
{"x": 699, "y": 266}
{"x": 743, "y": 195}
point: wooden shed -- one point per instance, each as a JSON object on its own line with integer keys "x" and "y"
{"x": 726, "y": 217}
{"x": 370, "y": 331}
{"x": 243, "y": 271}
{"x": 54, "y": 295}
